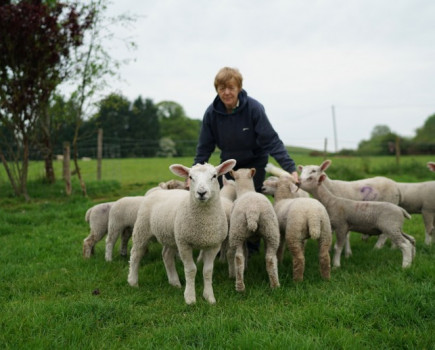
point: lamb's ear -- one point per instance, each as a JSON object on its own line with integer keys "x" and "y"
{"x": 225, "y": 167}
{"x": 322, "y": 178}
{"x": 180, "y": 170}
{"x": 325, "y": 165}
{"x": 300, "y": 167}
{"x": 253, "y": 171}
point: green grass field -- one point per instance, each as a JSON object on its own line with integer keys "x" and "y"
{"x": 51, "y": 298}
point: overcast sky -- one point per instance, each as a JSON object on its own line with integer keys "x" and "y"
{"x": 373, "y": 60}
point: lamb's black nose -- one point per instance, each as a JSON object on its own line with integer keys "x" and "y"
{"x": 201, "y": 194}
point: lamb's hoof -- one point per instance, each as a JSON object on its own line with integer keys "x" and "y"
{"x": 133, "y": 282}
{"x": 210, "y": 298}
{"x": 190, "y": 300}
{"x": 176, "y": 284}
{"x": 240, "y": 287}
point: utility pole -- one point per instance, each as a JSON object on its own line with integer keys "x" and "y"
{"x": 335, "y": 128}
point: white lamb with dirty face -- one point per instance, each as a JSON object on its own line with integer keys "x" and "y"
{"x": 184, "y": 220}
{"x": 372, "y": 218}
{"x": 378, "y": 189}
{"x": 301, "y": 219}
{"x": 98, "y": 218}
{"x": 123, "y": 216}
{"x": 252, "y": 215}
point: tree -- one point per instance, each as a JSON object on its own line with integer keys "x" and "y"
{"x": 425, "y": 136}
{"x": 382, "y": 142}
{"x": 36, "y": 42}
{"x": 144, "y": 125}
{"x": 178, "y": 127}
{"x": 427, "y": 132}
{"x": 380, "y": 130}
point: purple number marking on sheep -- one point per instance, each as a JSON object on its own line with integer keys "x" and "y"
{"x": 368, "y": 193}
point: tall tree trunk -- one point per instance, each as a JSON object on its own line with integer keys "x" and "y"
{"x": 75, "y": 156}
{"x": 25, "y": 169}
{"x": 49, "y": 169}
{"x": 9, "y": 173}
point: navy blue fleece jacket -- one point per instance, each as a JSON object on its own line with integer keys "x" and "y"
{"x": 245, "y": 135}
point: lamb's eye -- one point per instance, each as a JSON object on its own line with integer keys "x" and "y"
{"x": 214, "y": 177}
{"x": 190, "y": 177}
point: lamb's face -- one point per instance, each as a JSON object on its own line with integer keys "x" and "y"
{"x": 309, "y": 176}
{"x": 269, "y": 185}
{"x": 203, "y": 182}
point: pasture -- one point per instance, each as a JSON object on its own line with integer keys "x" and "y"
{"x": 51, "y": 298}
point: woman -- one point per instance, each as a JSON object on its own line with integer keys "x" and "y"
{"x": 237, "y": 124}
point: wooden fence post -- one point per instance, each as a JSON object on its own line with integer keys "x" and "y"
{"x": 66, "y": 171}
{"x": 99, "y": 152}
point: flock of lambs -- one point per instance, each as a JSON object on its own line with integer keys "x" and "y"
{"x": 215, "y": 220}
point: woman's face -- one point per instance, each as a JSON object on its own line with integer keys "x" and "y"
{"x": 229, "y": 93}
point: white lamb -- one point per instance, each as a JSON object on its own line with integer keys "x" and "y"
{"x": 372, "y": 218}
{"x": 269, "y": 185}
{"x": 123, "y": 216}
{"x": 379, "y": 189}
{"x": 98, "y": 218}
{"x": 252, "y": 215}
{"x": 184, "y": 221}
{"x": 228, "y": 196}
{"x": 417, "y": 198}
{"x": 300, "y": 219}
{"x": 121, "y": 222}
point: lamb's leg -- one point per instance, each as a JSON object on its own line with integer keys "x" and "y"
{"x": 272, "y": 263}
{"x": 296, "y": 246}
{"x": 429, "y": 222}
{"x": 324, "y": 258}
{"x": 140, "y": 243}
{"x": 405, "y": 246}
{"x": 239, "y": 262}
{"x": 338, "y": 248}
{"x": 381, "y": 241}
{"x": 112, "y": 236}
{"x": 281, "y": 249}
{"x": 168, "y": 255}
{"x": 231, "y": 254}
{"x": 88, "y": 245}
{"x": 207, "y": 273}
{"x": 347, "y": 247}
{"x": 125, "y": 236}
{"x": 190, "y": 269}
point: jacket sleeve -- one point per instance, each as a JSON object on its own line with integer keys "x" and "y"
{"x": 207, "y": 142}
{"x": 269, "y": 140}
